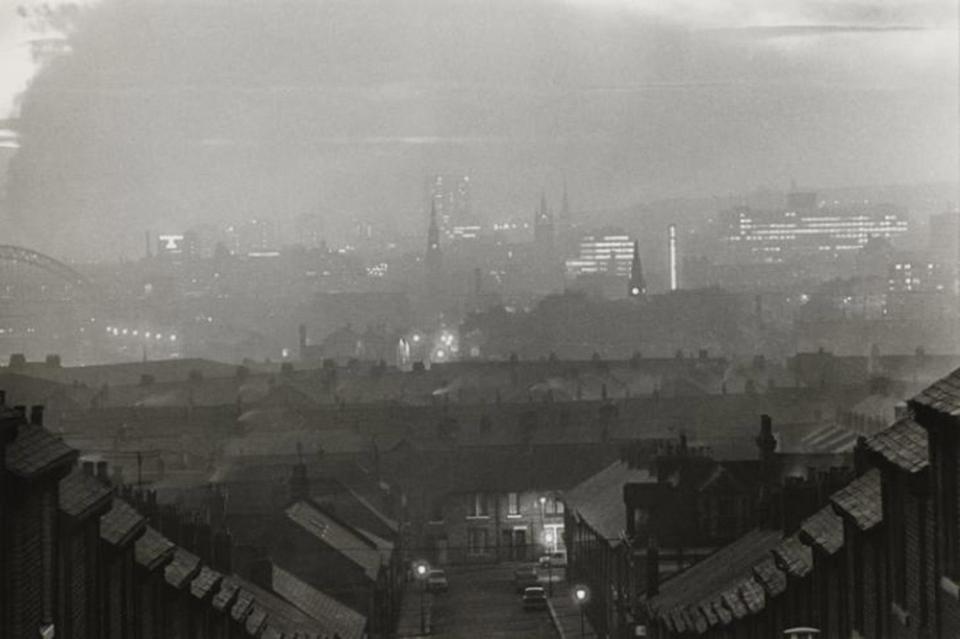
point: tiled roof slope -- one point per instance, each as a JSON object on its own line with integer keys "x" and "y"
{"x": 345, "y": 541}
{"x": 720, "y": 588}
{"x": 120, "y": 523}
{"x": 903, "y": 444}
{"x": 80, "y": 493}
{"x": 861, "y": 500}
{"x": 34, "y": 450}
{"x": 599, "y": 499}
{"x": 333, "y": 615}
{"x": 823, "y": 529}
{"x": 943, "y": 395}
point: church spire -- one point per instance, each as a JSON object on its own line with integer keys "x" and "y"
{"x": 638, "y": 286}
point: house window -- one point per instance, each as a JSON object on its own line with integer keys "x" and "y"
{"x": 476, "y": 541}
{"x": 479, "y": 507}
{"x": 552, "y": 506}
{"x": 513, "y": 504}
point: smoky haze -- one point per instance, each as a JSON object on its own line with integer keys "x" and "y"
{"x": 172, "y": 114}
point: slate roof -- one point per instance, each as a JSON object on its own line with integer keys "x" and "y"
{"x": 182, "y": 569}
{"x": 332, "y": 615}
{"x": 152, "y": 549}
{"x": 80, "y": 494}
{"x": 861, "y": 500}
{"x": 599, "y": 499}
{"x": 351, "y": 544}
{"x": 903, "y": 444}
{"x": 204, "y": 582}
{"x": 794, "y": 556}
{"x": 943, "y": 395}
{"x": 720, "y": 588}
{"x": 823, "y": 529}
{"x": 34, "y": 450}
{"x": 279, "y": 614}
{"x": 120, "y": 523}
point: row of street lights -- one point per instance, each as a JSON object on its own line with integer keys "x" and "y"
{"x": 421, "y": 568}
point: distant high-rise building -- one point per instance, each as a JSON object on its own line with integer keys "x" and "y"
{"x": 253, "y": 237}
{"x": 804, "y": 228}
{"x": 638, "y": 285}
{"x": 433, "y": 257}
{"x": 610, "y": 252}
{"x": 449, "y": 195}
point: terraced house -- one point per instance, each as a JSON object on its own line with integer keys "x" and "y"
{"x": 78, "y": 561}
{"x": 882, "y": 559}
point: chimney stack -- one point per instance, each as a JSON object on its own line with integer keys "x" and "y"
{"x": 102, "y": 473}
{"x": 36, "y": 415}
{"x": 3, "y": 398}
{"x": 88, "y": 468}
{"x": 653, "y": 567}
{"x": 21, "y": 413}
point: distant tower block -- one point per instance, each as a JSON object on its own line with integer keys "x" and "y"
{"x": 434, "y": 258}
{"x": 672, "y": 248}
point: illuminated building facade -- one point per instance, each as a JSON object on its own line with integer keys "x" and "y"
{"x": 805, "y": 228}
{"x": 449, "y": 195}
{"x": 608, "y": 253}
{"x": 908, "y": 276}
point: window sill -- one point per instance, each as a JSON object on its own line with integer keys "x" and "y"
{"x": 950, "y": 587}
{"x": 517, "y": 516}
{"x": 902, "y": 615}
{"x": 478, "y": 516}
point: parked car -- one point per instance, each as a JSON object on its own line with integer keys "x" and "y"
{"x": 437, "y": 581}
{"x": 554, "y": 560}
{"x": 534, "y": 597}
{"x": 524, "y": 577}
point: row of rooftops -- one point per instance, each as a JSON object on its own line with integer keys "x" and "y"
{"x": 735, "y": 581}
{"x": 30, "y": 451}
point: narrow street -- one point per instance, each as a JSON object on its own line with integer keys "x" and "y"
{"x": 482, "y": 602}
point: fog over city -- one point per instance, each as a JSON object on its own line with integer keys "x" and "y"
{"x": 190, "y": 112}
{"x": 352, "y": 319}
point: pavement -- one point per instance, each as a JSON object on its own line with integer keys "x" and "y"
{"x": 482, "y": 602}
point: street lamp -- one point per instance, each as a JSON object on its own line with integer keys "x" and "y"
{"x": 548, "y": 539}
{"x": 421, "y": 569}
{"x": 581, "y": 595}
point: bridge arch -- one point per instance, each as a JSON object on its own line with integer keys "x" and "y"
{"x": 30, "y": 257}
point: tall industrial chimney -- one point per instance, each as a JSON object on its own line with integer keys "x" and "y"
{"x": 672, "y": 238}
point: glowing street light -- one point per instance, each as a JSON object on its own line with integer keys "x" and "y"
{"x": 581, "y": 596}
{"x": 421, "y": 569}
